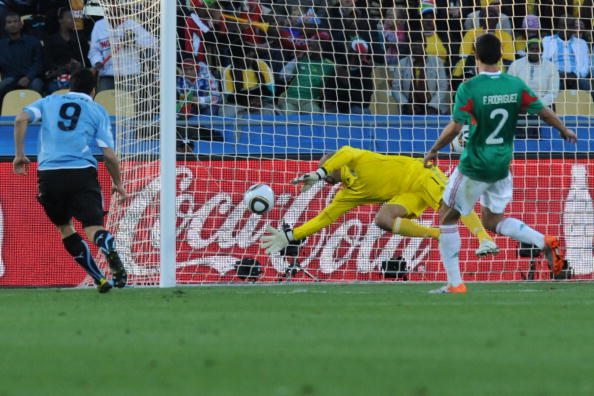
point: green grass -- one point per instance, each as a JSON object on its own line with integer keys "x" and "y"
{"x": 524, "y": 339}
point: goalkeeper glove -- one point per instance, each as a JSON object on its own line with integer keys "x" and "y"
{"x": 277, "y": 240}
{"x": 309, "y": 179}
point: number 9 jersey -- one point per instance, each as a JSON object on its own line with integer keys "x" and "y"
{"x": 490, "y": 103}
{"x": 70, "y": 125}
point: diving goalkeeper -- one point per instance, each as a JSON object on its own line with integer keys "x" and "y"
{"x": 402, "y": 183}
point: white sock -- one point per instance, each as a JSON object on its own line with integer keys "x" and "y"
{"x": 449, "y": 248}
{"x": 519, "y": 231}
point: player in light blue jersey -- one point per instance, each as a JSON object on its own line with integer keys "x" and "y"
{"x": 67, "y": 171}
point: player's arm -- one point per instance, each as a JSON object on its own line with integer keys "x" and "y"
{"x": 277, "y": 240}
{"x": 532, "y": 105}
{"x": 345, "y": 156}
{"x": 20, "y": 163}
{"x": 551, "y": 118}
{"x": 105, "y": 141}
{"x": 462, "y": 113}
{"x": 448, "y": 134}
{"x": 113, "y": 167}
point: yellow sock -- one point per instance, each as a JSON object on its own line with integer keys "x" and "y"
{"x": 409, "y": 228}
{"x": 474, "y": 225}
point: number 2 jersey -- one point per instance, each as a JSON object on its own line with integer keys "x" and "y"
{"x": 70, "y": 124}
{"x": 490, "y": 103}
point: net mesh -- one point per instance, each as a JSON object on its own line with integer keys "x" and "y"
{"x": 264, "y": 89}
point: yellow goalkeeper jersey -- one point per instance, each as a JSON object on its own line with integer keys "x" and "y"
{"x": 370, "y": 178}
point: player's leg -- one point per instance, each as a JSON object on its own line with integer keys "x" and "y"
{"x": 449, "y": 250}
{"x": 493, "y": 203}
{"x": 475, "y": 226}
{"x": 395, "y": 215}
{"x": 106, "y": 243}
{"x": 79, "y": 250}
{"x": 88, "y": 209}
{"x": 54, "y": 188}
{"x": 459, "y": 197}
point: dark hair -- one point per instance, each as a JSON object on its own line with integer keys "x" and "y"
{"x": 83, "y": 80}
{"x": 11, "y": 14}
{"x": 488, "y": 49}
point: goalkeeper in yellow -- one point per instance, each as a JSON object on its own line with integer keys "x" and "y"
{"x": 402, "y": 184}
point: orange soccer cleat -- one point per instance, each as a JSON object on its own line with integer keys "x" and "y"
{"x": 554, "y": 254}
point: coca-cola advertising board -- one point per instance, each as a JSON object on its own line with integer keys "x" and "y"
{"x": 215, "y": 230}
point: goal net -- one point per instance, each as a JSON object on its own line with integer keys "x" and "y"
{"x": 265, "y": 88}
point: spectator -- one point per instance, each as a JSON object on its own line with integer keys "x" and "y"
{"x": 473, "y": 19}
{"x": 419, "y": 83}
{"x": 21, "y": 58}
{"x": 351, "y": 89}
{"x": 393, "y": 34}
{"x": 197, "y": 93}
{"x": 349, "y": 21}
{"x": 248, "y": 86}
{"x": 64, "y": 52}
{"x": 197, "y": 90}
{"x": 570, "y": 53}
{"x": 541, "y": 76}
{"x": 253, "y": 11}
{"x": 450, "y": 23}
{"x": 293, "y": 31}
{"x": 530, "y": 30}
{"x": 130, "y": 40}
{"x": 200, "y": 28}
{"x": 306, "y": 77}
{"x": 433, "y": 43}
{"x": 466, "y": 65}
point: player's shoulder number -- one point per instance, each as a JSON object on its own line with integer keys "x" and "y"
{"x": 69, "y": 114}
{"x": 503, "y": 115}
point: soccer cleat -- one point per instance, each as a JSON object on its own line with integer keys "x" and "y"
{"x": 447, "y": 289}
{"x": 103, "y": 285}
{"x": 554, "y": 254}
{"x": 486, "y": 247}
{"x": 118, "y": 272}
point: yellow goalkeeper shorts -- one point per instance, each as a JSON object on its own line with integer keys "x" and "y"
{"x": 426, "y": 192}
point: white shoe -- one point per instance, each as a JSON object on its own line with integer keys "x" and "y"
{"x": 487, "y": 247}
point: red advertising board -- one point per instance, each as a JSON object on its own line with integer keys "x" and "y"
{"x": 215, "y": 230}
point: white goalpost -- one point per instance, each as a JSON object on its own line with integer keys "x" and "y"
{"x": 215, "y": 96}
{"x": 167, "y": 155}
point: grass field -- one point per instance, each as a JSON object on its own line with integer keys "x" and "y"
{"x": 524, "y": 339}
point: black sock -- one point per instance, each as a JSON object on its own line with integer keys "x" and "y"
{"x": 104, "y": 241}
{"x": 79, "y": 249}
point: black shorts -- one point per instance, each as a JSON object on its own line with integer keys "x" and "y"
{"x": 68, "y": 193}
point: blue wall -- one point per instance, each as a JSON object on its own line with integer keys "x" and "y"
{"x": 325, "y": 133}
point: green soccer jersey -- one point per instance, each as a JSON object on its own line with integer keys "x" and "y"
{"x": 490, "y": 103}
{"x": 309, "y": 79}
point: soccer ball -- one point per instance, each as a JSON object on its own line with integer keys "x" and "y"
{"x": 457, "y": 145}
{"x": 259, "y": 198}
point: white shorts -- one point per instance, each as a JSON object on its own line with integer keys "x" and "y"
{"x": 462, "y": 193}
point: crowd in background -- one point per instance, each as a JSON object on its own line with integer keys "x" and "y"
{"x": 319, "y": 56}
{"x": 267, "y": 57}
